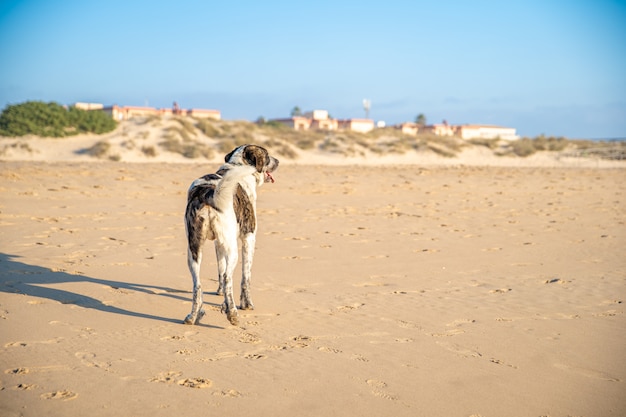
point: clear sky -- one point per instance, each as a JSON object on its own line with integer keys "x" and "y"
{"x": 556, "y": 67}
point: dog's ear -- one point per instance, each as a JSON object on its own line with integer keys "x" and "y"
{"x": 228, "y": 156}
{"x": 256, "y": 156}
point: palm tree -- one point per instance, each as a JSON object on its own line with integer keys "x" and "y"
{"x": 420, "y": 120}
{"x": 296, "y": 111}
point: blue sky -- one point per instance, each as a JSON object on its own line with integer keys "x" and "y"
{"x": 541, "y": 66}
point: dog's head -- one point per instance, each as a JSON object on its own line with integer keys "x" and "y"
{"x": 257, "y": 157}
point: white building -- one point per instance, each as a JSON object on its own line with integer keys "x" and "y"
{"x": 486, "y": 132}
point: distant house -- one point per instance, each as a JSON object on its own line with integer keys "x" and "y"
{"x": 408, "y": 128}
{"x": 320, "y": 120}
{"x": 357, "y": 125}
{"x": 88, "y": 106}
{"x": 205, "y": 114}
{"x": 325, "y": 124}
{"x": 463, "y": 131}
{"x": 442, "y": 129}
{"x": 486, "y": 132}
{"x": 317, "y": 114}
{"x": 129, "y": 112}
{"x": 296, "y": 122}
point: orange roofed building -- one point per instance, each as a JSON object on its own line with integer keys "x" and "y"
{"x": 463, "y": 131}
{"x": 129, "y": 112}
{"x": 319, "y": 119}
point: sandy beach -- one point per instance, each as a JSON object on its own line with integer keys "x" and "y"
{"x": 413, "y": 290}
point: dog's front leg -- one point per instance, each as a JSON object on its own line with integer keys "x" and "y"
{"x": 247, "y": 251}
{"x": 193, "y": 261}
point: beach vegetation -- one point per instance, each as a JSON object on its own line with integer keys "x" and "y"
{"x": 188, "y": 149}
{"x": 207, "y": 127}
{"x": 97, "y": 150}
{"x": 488, "y": 143}
{"x": 188, "y": 128}
{"x": 52, "y": 120}
{"x": 149, "y": 151}
{"x": 21, "y": 146}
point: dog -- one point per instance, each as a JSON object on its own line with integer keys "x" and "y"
{"x": 222, "y": 207}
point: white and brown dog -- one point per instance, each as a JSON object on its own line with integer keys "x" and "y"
{"x": 222, "y": 207}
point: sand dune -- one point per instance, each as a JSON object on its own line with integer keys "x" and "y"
{"x": 379, "y": 290}
{"x": 177, "y": 140}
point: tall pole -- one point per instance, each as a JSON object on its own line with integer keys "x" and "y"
{"x": 366, "y": 106}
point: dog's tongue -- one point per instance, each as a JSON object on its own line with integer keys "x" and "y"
{"x": 268, "y": 177}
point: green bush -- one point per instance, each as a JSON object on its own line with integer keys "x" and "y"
{"x": 52, "y": 120}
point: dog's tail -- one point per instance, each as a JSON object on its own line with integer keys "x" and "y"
{"x": 222, "y": 198}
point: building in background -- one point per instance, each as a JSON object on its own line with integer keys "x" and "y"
{"x": 320, "y": 120}
{"x": 357, "y": 125}
{"x": 129, "y": 112}
{"x": 485, "y": 132}
{"x": 468, "y": 131}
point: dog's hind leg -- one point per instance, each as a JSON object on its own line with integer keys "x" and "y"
{"x": 247, "y": 251}
{"x": 229, "y": 252}
{"x": 221, "y": 267}
{"x": 193, "y": 261}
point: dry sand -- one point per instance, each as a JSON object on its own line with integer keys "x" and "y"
{"x": 407, "y": 291}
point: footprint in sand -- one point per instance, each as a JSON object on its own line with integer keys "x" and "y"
{"x": 351, "y": 307}
{"x": 374, "y": 383}
{"x": 499, "y": 362}
{"x": 456, "y": 330}
{"x": 255, "y": 356}
{"x": 408, "y": 325}
{"x": 460, "y": 322}
{"x": 555, "y": 281}
{"x": 500, "y": 291}
{"x": 195, "y": 383}
{"x": 300, "y": 341}
{"x": 17, "y": 371}
{"x": 247, "y": 337}
{"x": 63, "y": 395}
{"x": 379, "y": 389}
{"x": 328, "y": 349}
{"x": 228, "y": 393}
{"x": 89, "y": 359}
{"x": 460, "y": 350}
{"x": 609, "y": 313}
{"x": 168, "y": 377}
{"x": 25, "y": 387}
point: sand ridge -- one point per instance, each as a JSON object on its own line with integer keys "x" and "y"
{"x": 169, "y": 139}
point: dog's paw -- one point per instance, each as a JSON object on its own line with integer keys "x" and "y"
{"x": 190, "y": 319}
{"x": 245, "y": 300}
{"x": 233, "y": 317}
